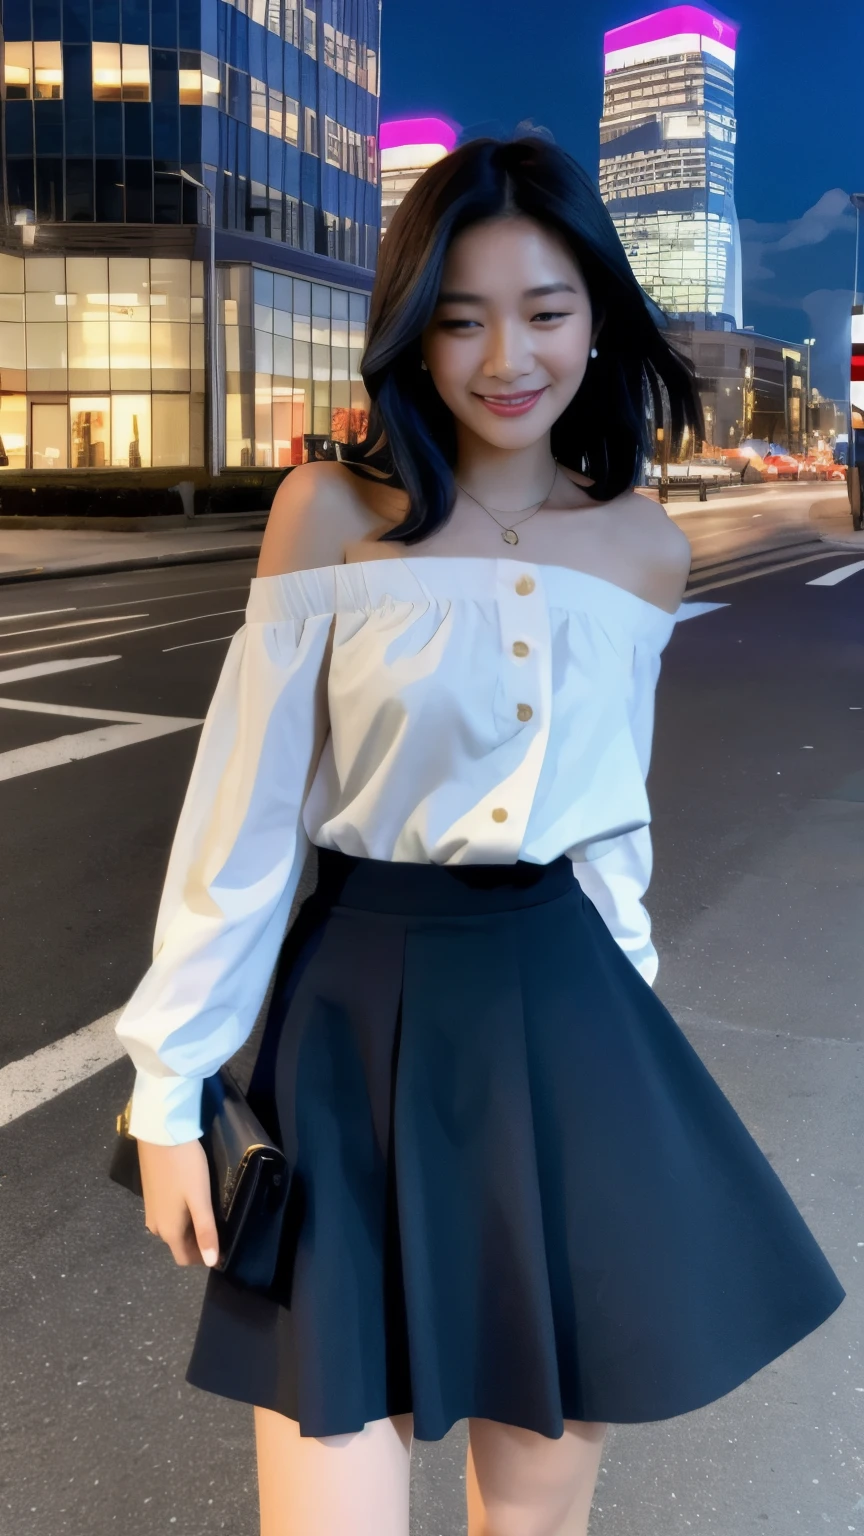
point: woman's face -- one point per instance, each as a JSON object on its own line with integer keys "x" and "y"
{"x": 494, "y": 334}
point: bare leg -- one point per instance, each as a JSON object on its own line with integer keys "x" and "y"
{"x": 519, "y": 1483}
{"x": 340, "y": 1485}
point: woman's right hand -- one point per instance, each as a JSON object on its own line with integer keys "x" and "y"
{"x": 178, "y": 1206}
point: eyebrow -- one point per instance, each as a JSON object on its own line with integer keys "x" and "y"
{"x": 454, "y": 297}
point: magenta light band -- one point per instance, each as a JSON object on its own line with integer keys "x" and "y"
{"x": 669, "y": 23}
{"x": 417, "y": 130}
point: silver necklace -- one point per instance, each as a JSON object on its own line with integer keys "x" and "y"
{"x": 509, "y": 535}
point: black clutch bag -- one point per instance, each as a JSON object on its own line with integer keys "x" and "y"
{"x": 249, "y": 1180}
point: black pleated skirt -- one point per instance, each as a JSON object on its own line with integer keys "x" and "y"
{"x": 518, "y": 1192}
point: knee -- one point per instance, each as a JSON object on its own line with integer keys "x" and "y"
{"x": 509, "y": 1519}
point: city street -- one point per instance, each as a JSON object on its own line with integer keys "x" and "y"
{"x": 757, "y": 786}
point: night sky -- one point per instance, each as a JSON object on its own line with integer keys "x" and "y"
{"x": 800, "y": 109}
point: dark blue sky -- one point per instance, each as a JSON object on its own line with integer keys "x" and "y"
{"x": 799, "y": 103}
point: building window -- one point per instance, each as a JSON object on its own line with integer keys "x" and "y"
{"x": 33, "y": 72}
{"x": 273, "y": 20}
{"x": 291, "y": 23}
{"x": 259, "y": 104}
{"x": 310, "y": 32}
{"x": 372, "y": 159}
{"x": 292, "y": 120}
{"x": 121, "y": 72}
{"x": 310, "y": 135}
{"x": 190, "y": 87}
{"x": 274, "y": 112}
{"x": 238, "y": 94}
{"x": 333, "y": 142}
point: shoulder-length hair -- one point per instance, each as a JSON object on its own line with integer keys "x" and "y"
{"x": 637, "y": 382}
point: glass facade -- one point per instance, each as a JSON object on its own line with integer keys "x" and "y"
{"x": 292, "y": 365}
{"x": 667, "y": 163}
{"x": 123, "y": 124}
{"x": 103, "y": 361}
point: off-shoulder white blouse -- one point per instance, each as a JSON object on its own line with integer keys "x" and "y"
{"x": 468, "y": 710}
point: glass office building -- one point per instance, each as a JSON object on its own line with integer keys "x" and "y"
{"x": 409, "y": 145}
{"x": 667, "y": 160}
{"x": 112, "y": 111}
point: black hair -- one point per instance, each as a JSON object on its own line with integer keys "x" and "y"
{"x": 637, "y": 382}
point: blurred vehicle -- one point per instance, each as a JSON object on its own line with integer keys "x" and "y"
{"x": 749, "y": 464}
{"x": 787, "y": 467}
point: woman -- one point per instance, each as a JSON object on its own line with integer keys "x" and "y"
{"x": 519, "y": 1198}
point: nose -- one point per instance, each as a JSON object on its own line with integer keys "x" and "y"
{"x": 508, "y": 357}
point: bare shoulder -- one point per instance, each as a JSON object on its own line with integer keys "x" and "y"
{"x": 658, "y": 546}
{"x": 319, "y": 509}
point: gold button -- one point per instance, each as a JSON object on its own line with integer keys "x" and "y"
{"x": 524, "y": 585}
{"x": 520, "y": 648}
{"x": 524, "y": 711}
{"x": 499, "y": 813}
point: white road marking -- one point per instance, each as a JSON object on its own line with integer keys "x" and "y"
{"x": 116, "y": 634}
{"x": 693, "y": 610}
{"x": 188, "y": 643}
{"x": 40, "y": 613}
{"x": 73, "y": 748}
{"x": 831, "y": 578}
{"x": 43, "y": 668}
{"x": 168, "y": 597}
{"x": 764, "y": 570}
{"x": 116, "y": 618}
{"x": 34, "y": 1079}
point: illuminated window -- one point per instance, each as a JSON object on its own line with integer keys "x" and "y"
{"x": 190, "y": 87}
{"x": 259, "y": 104}
{"x": 274, "y": 113}
{"x": 90, "y": 421}
{"x": 121, "y": 72}
{"x": 18, "y": 71}
{"x": 47, "y": 72}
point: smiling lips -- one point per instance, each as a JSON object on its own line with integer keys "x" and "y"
{"x": 511, "y": 405}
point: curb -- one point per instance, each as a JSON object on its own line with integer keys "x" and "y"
{"x": 147, "y": 562}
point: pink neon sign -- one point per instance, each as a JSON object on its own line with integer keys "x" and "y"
{"x": 417, "y": 130}
{"x": 669, "y": 23}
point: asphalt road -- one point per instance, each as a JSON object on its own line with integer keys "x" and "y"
{"x": 757, "y": 785}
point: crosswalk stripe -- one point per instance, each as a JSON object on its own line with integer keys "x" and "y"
{"x": 34, "y": 1079}
{"x": 831, "y": 578}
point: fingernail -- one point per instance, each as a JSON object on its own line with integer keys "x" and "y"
{"x": 209, "y": 1255}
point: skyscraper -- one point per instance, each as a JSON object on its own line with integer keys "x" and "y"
{"x": 409, "y": 145}
{"x": 124, "y": 123}
{"x": 667, "y": 160}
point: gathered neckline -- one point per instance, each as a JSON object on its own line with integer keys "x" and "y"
{"x": 495, "y": 560}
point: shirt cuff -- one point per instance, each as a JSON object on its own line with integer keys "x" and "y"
{"x": 166, "y": 1110}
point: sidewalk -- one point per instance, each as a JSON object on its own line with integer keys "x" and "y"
{"x": 42, "y": 553}
{"x": 39, "y": 553}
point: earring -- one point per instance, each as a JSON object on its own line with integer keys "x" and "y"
{"x": 424, "y": 364}
{"x": 593, "y": 351}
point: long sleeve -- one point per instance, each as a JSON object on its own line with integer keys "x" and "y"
{"x": 235, "y": 863}
{"x": 616, "y": 883}
{"x": 616, "y": 872}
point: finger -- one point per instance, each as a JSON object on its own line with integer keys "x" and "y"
{"x": 204, "y": 1225}
{"x": 184, "y": 1248}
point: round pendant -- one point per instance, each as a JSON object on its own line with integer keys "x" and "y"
{"x": 510, "y": 536}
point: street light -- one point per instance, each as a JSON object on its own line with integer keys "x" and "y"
{"x": 809, "y": 341}
{"x": 212, "y": 330}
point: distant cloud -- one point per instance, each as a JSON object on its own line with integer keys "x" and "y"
{"x": 773, "y": 279}
{"x": 831, "y": 213}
